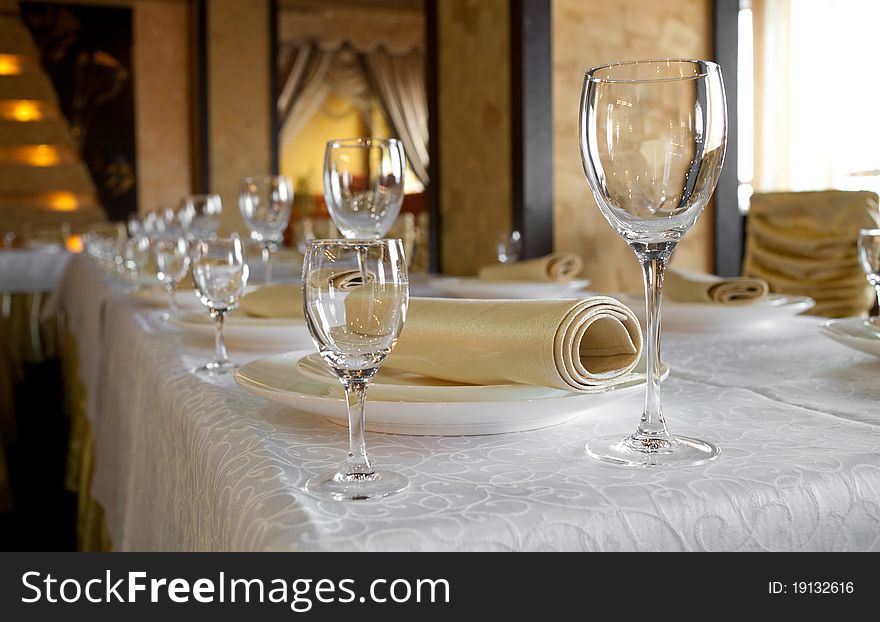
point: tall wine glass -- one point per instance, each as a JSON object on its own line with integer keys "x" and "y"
{"x": 653, "y": 136}
{"x": 199, "y": 215}
{"x": 137, "y": 256}
{"x": 171, "y": 256}
{"x": 363, "y": 185}
{"x": 355, "y": 299}
{"x": 220, "y": 274}
{"x": 869, "y": 257}
{"x": 265, "y": 204}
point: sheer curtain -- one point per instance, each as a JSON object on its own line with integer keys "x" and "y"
{"x": 816, "y": 95}
{"x": 400, "y": 82}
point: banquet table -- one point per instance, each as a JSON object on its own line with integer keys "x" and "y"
{"x": 183, "y": 462}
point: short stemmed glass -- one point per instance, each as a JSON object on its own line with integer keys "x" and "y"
{"x": 869, "y": 257}
{"x": 355, "y": 298}
{"x": 653, "y": 136}
{"x": 363, "y": 185}
{"x": 220, "y": 274}
{"x": 508, "y": 246}
{"x": 265, "y": 204}
{"x": 199, "y": 215}
{"x": 171, "y": 256}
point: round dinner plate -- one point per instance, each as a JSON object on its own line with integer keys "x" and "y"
{"x": 473, "y": 287}
{"x": 241, "y": 331}
{"x": 854, "y": 332}
{"x": 154, "y": 295}
{"x": 701, "y": 317}
{"x": 401, "y": 403}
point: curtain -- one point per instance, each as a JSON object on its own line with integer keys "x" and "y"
{"x": 304, "y": 93}
{"x": 815, "y": 119}
{"x": 400, "y": 82}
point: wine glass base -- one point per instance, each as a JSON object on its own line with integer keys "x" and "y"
{"x": 215, "y": 368}
{"x": 341, "y": 487}
{"x": 629, "y": 452}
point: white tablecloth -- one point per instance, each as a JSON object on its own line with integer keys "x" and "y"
{"x": 184, "y": 462}
{"x": 27, "y": 270}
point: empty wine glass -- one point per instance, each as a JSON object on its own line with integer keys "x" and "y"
{"x": 199, "y": 215}
{"x": 265, "y": 204}
{"x": 363, "y": 185}
{"x": 355, "y": 300}
{"x": 652, "y": 137}
{"x": 171, "y": 256}
{"x": 134, "y": 226}
{"x": 508, "y": 246}
{"x": 220, "y": 274}
{"x": 869, "y": 257}
{"x": 137, "y": 256}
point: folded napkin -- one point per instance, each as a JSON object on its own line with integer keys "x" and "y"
{"x": 584, "y": 345}
{"x": 274, "y": 301}
{"x": 558, "y": 267}
{"x": 689, "y": 286}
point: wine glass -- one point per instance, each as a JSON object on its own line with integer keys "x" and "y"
{"x": 137, "y": 256}
{"x": 171, "y": 256}
{"x": 220, "y": 274}
{"x": 355, "y": 300}
{"x": 363, "y": 185}
{"x": 134, "y": 225}
{"x": 199, "y": 214}
{"x": 869, "y": 257}
{"x": 508, "y": 246}
{"x": 652, "y": 137}
{"x": 265, "y": 204}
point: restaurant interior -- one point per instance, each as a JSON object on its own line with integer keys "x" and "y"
{"x": 492, "y": 195}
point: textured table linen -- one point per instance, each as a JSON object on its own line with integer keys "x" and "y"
{"x": 183, "y": 462}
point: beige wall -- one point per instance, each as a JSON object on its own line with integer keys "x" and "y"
{"x": 591, "y": 33}
{"x": 238, "y": 95}
{"x": 474, "y": 109}
{"x": 162, "y": 113}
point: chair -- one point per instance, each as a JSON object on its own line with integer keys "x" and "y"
{"x": 805, "y": 243}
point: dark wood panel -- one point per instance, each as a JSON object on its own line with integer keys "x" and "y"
{"x": 434, "y": 172}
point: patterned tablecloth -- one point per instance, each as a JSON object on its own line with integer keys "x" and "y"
{"x": 184, "y": 462}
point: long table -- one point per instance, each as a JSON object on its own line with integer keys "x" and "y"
{"x": 193, "y": 463}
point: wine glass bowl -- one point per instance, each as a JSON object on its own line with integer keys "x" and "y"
{"x": 171, "y": 256}
{"x": 199, "y": 215}
{"x": 355, "y": 296}
{"x": 653, "y": 136}
{"x": 363, "y": 185}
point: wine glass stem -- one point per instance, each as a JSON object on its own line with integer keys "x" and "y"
{"x": 877, "y": 291}
{"x": 219, "y": 343}
{"x": 172, "y": 297}
{"x": 267, "y": 260}
{"x": 356, "y": 399}
{"x": 653, "y": 259}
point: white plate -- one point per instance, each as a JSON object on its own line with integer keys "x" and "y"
{"x": 154, "y": 295}
{"x": 408, "y": 404}
{"x": 473, "y": 287}
{"x": 854, "y": 332}
{"x": 697, "y": 317}
{"x": 245, "y": 332}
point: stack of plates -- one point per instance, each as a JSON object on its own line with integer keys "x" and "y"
{"x": 402, "y": 403}
{"x": 243, "y": 332}
{"x": 856, "y": 333}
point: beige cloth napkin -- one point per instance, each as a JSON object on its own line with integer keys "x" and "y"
{"x": 274, "y": 301}
{"x": 584, "y": 345}
{"x": 556, "y": 267}
{"x": 690, "y": 286}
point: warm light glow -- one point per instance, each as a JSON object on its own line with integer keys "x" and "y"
{"x": 41, "y": 155}
{"x": 74, "y": 244}
{"x": 23, "y": 110}
{"x": 62, "y": 201}
{"x": 10, "y": 65}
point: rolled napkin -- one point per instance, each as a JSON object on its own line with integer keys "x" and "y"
{"x": 690, "y": 286}
{"x": 556, "y": 267}
{"x": 274, "y": 301}
{"x": 584, "y": 345}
